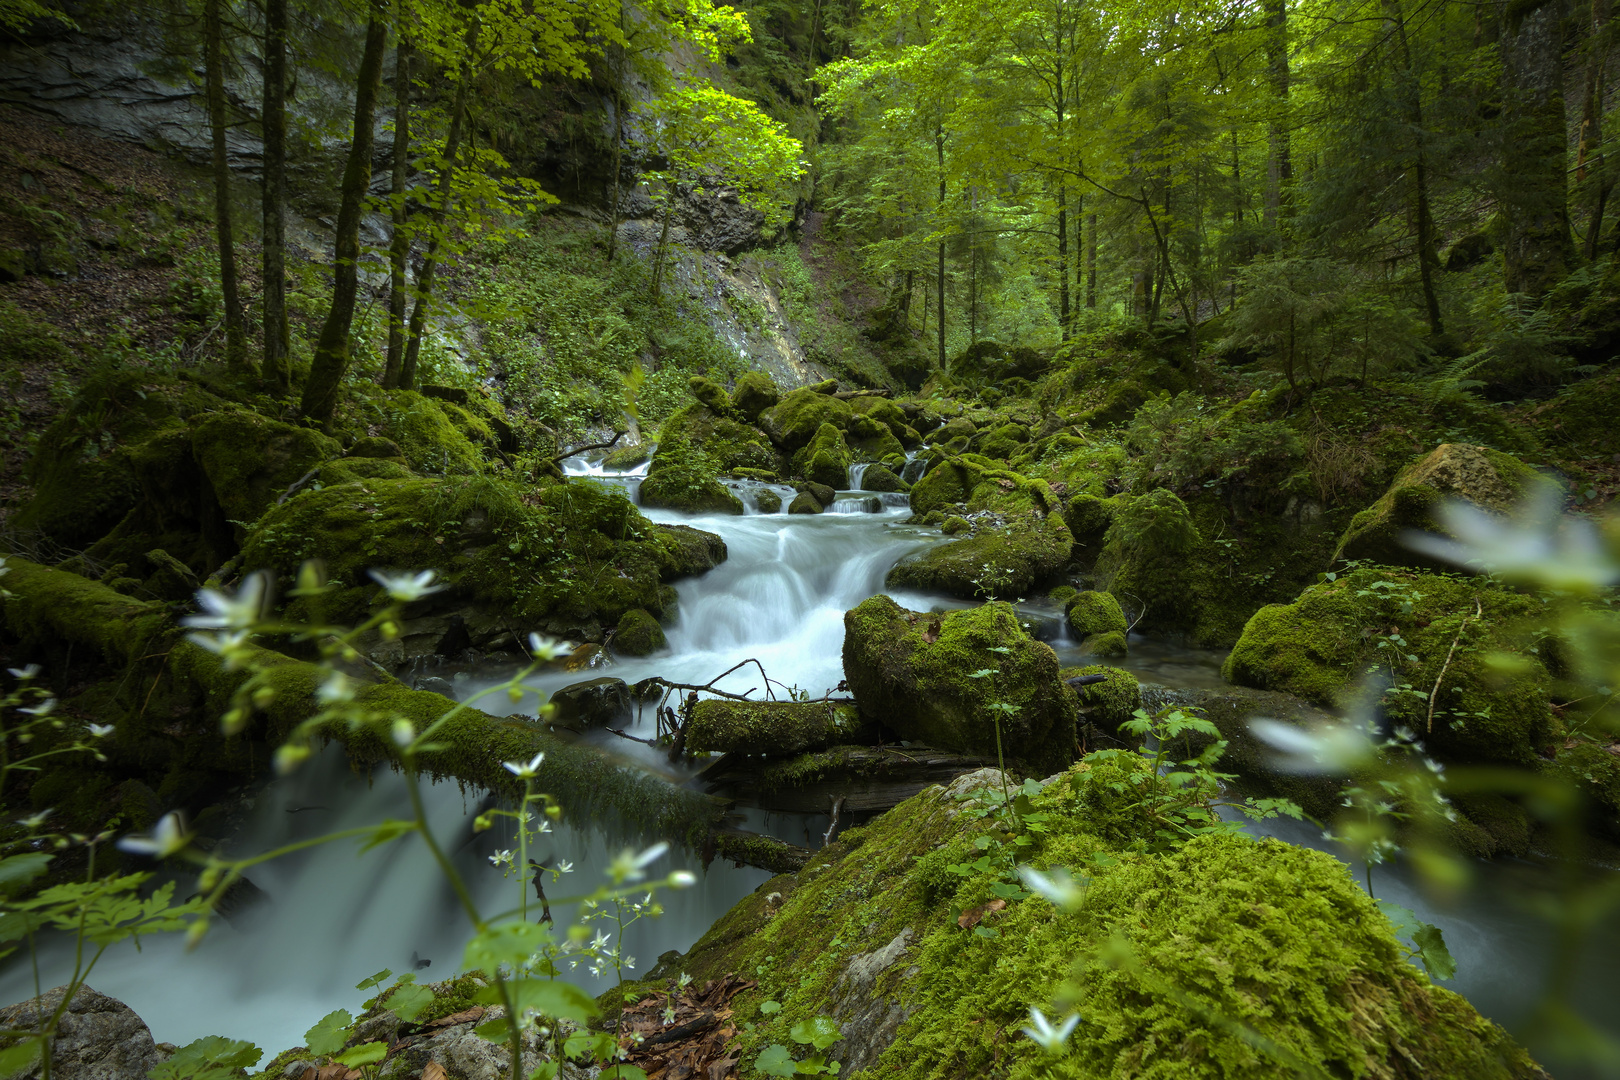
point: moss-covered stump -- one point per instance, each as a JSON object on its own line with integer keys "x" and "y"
{"x": 1487, "y": 478}
{"x": 1320, "y": 647}
{"x": 915, "y": 674}
{"x": 571, "y": 557}
{"x": 793, "y": 421}
{"x": 1187, "y": 965}
{"x": 638, "y": 634}
{"x": 1004, "y": 561}
{"x": 1105, "y": 705}
{"x": 683, "y": 477}
{"x": 754, "y": 393}
{"x": 769, "y": 727}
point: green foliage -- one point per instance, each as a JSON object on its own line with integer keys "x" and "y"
{"x": 208, "y": 1058}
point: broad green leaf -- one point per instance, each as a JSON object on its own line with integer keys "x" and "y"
{"x": 374, "y": 980}
{"x": 621, "y": 1071}
{"x": 329, "y": 1033}
{"x": 495, "y": 1031}
{"x": 408, "y": 1000}
{"x": 20, "y": 869}
{"x": 551, "y": 997}
{"x": 769, "y": 1007}
{"x": 776, "y": 1061}
{"x": 1431, "y": 946}
{"x": 18, "y": 1059}
{"x": 509, "y": 944}
{"x": 818, "y": 1031}
{"x": 209, "y": 1056}
{"x": 365, "y": 1054}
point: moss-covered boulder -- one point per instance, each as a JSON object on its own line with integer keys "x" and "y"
{"x": 806, "y": 503}
{"x": 1466, "y": 644}
{"x": 890, "y": 415}
{"x": 1146, "y": 554}
{"x": 1593, "y": 768}
{"x": 728, "y": 442}
{"x": 1004, "y": 561}
{"x": 1004, "y": 441}
{"x": 1278, "y": 942}
{"x": 825, "y": 459}
{"x": 881, "y": 478}
{"x": 624, "y": 458}
{"x": 978, "y": 483}
{"x": 683, "y": 477}
{"x": 251, "y": 461}
{"x": 914, "y": 673}
{"x": 770, "y": 727}
{"x": 1096, "y": 613}
{"x": 436, "y": 436}
{"x": 871, "y": 440}
{"x": 1487, "y": 478}
{"x": 754, "y": 393}
{"x": 768, "y": 501}
{"x": 1107, "y": 704}
{"x": 711, "y": 395}
{"x": 795, "y": 420}
{"x": 638, "y": 634}
{"x": 1088, "y": 518}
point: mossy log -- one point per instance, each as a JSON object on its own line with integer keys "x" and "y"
{"x": 47, "y": 610}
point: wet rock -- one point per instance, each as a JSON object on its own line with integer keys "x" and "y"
{"x": 792, "y": 422}
{"x": 594, "y": 703}
{"x": 754, "y": 393}
{"x": 638, "y": 634}
{"x": 99, "y": 1038}
{"x": 864, "y": 1002}
{"x": 1108, "y": 703}
{"x": 881, "y": 478}
{"x": 768, "y": 501}
{"x": 770, "y": 727}
{"x": 437, "y": 685}
{"x": 914, "y": 673}
{"x": 1098, "y": 621}
{"x": 1487, "y": 478}
{"x": 805, "y": 503}
{"x": 464, "y": 1055}
{"x": 1005, "y": 561}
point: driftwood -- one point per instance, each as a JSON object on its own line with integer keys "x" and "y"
{"x": 845, "y": 395}
{"x": 617, "y": 435}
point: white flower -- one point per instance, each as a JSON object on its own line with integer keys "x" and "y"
{"x": 36, "y": 820}
{"x": 101, "y": 731}
{"x": 1540, "y": 545}
{"x": 546, "y": 648}
{"x": 220, "y": 644}
{"x": 600, "y": 940}
{"x": 337, "y": 688}
{"x": 44, "y": 708}
{"x": 682, "y": 879}
{"x": 630, "y": 866}
{"x": 1059, "y": 886}
{"x": 407, "y": 587}
{"x": 225, "y": 612}
{"x": 565, "y": 867}
{"x": 169, "y": 837}
{"x": 1332, "y": 749}
{"x": 501, "y": 858}
{"x": 23, "y": 674}
{"x": 1048, "y": 1038}
{"x": 403, "y": 733}
{"x": 522, "y": 771}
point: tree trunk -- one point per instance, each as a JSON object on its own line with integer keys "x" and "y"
{"x": 277, "y": 346}
{"x": 332, "y": 347}
{"x": 939, "y": 149}
{"x": 663, "y": 244}
{"x": 399, "y": 245}
{"x": 1279, "y": 164}
{"x": 1534, "y": 196}
{"x": 618, "y": 164}
{"x": 214, "y": 78}
{"x": 1091, "y": 260}
{"x": 1063, "y": 261}
{"x": 1412, "y": 100}
{"x": 441, "y": 211}
{"x": 1591, "y": 138}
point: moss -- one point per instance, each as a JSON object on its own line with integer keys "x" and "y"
{"x": 795, "y": 420}
{"x": 889, "y": 414}
{"x": 1107, "y": 704}
{"x": 638, "y": 634}
{"x": 1004, "y": 441}
{"x": 1089, "y": 519}
{"x": 1489, "y": 478}
{"x": 683, "y": 477}
{"x": 1002, "y": 562}
{"x": 914, "y": 673}
{"x": 768, "y": 501}
{"x": 769, "y": 727}
{"x": 710, "y": 394}
{"x": 1096, "y": 613}
{"x": 954, "y": 525}
{"x": 872, "y": 440}
{"x": 882, "y": 478}
{"x": 348, "y": 470}
{"x": 625, "y": 458}
{"x": 754, "y": 393}
{"x": 729, "y": 443}
{"x": 424, "y": 430}
{"x": 1595, "y": 771}
{"x": 252, "y": 461}
{"x": 981, "y": 484}
{"x": 1275, "y": 941}
{"x": 1320, "y": 646}
{"x": 375, "y": 446}
{"x": 805, "y": 503}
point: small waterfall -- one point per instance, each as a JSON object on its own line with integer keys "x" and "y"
{"x": 857, "y": 473}
{"x": 856, "y": 504}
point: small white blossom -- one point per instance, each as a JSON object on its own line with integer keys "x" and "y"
{"x": 546, "y": 648}
{"x": 403, "y": 733}
{"x": 34, "y": 821}
{"x": 682, "y": 879}
{"x": 1059, "y": 886}
{"x": 44, "y": 708}
{"x": 222, "y": 611}
{"x": 565, "y": 867}
{"x": 630, "y": 866}
{"x": 501, "y": 858}
{"x": 100, "y": 731}
{"x": 337, "y": 689}
{"x": 407, "y": 587}
{"x": 525, "y": 771}
{"x": 1049, "y": 1038}
{"x": 23, "y": 674}
{"x": 169, "y": 837}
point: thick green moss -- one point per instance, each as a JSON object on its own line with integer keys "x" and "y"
{"x": 1095, "y": 613}
{"x": 1110, "y": 703}
{"x": 980, "y": 484}
{"x": 638, "y": 634}
{"x": 825, "y": 459}
{"x": 769, "y": 727}
{"x": 872, "y": 440}
{"x": 1488, "y": 478}
{"x": 729, "y": 443}
{"x": 805, "y": 503}
{"x": 1005, "y": 561}
{"x": 1595, "y": 770}
{"x": 431, "y": 442}
{"x": 914, "y": 673}
{"x": 1184, "y": 965}
{"x": 795, "y": 420}
{"x": 683, "y": 477}
{"x": 1320, "y": 646}
{"x": 754, "y": 393}
{"x": 881, "y": 478}
{"x": 348, "y": 470}
{"x": 252, "y": 461}
{"x": 1004, "y": 441}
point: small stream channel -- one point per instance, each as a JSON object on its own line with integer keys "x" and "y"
{"x": 333, "y": 918}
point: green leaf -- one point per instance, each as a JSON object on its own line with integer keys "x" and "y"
{"x": 495, "y": 1031}
{"x": 621, "y": 1071}
{"x": 770, "y": 1007}
{"x": 776, "y": 1061}
{"x": 386, "y": 831}
{"x": 20, "y": 1058}
{"x": 549, "y": 997}
{"x": 510, "y": 944}
{"x": 374, "y": 980}
{"x": 407, "y": 1001}
{"x": 365, "y": 1054}
{"x": 209, "y": 1056}
{"x": 1431, "y": 946}
{"x": 21, "y": 869}
{"x": 329, "y": 1033}
{"x": 818, "y": 1031}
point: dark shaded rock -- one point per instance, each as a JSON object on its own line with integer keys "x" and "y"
{"x": 805, "y": 503}
{"x": 593, "y": 703}
{"x": 638, "y": 634}
{"x": 99, "y": 1038}
{"x": 881, "y": 478}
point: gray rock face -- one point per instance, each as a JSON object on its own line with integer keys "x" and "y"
{"x": 868, "y": 1014}
{"x": 99, "y": 1038}
{"x": 593, "y": 703}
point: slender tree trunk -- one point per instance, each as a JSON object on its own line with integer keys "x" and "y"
{"x": 663, "y": 245}
{"x": 399, "y": 245}
{"x": 939, "y": 149}
{"x": 1280, "y": 166}
{"x": 1592, "y": 126}
{"x": 618, "y": 165}
{"x": 1412, "y": 99}
{"x": 277, "y": 346}
{"x": 214, "y": 77}
{"x": 332, "y": 347}
{"x": 1091, "y": 260}
{"x": 1535, "y": 195}
{"x": 441, "y": 211}
{"x": 1063, "y": 261}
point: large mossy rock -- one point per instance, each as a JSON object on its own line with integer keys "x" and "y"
{"x": 754, "y": 393}
{"x": 1106, "y": 705}
{"x": 914, "y": 673}
{"x": 794, "y": 421}
{"x": 728, "y": 442}
{"x": 683, "y": 477}
{"x": 1491, "y": 701}
{"x": 638, "y": 634}
{"x": 888, "y": 414}
{"x": 878, "y": 934}
{"x": 1487, "y": 478}
{"x": 977, "y": 483}
{"x": 251, "y": 461}
{"x": 770, "y": 727}
{"x": 1099, "y": 622}
{"x": 1005, "y": 561}
{"x": 872, "y": 440}
{"x": 825, "y": 459}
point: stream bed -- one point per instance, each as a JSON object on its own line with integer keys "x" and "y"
{"x": 331, "y": 917}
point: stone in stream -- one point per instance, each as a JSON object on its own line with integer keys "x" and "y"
{"x": 100, "y": 1038}
{"x": 770, "y": 727}
{"x": 805, "y": 503}
{"x": 768, "y": 501}
{"x": 881, "y": 478}
{"x": 638, "y": 634}
{"x": 915, "y": 673}
{"x": 1098, "y": 621}
{"x": 590, "y": 704}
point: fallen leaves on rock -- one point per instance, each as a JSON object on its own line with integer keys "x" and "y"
{"x": 693, "y": 1044}
{"x": 974, "y": 915}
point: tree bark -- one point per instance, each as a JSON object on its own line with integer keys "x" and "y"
{"x": 1412, "y": 100}
{"x": 214, "y": 89}
{"x": 1279, "y": 164}
{"x": 332, "y": 347}
{"x": 441, "y": 211}
{"x": 1591, "y": 137}
{"x": 277, "y": 347}
{"x": 1063, "y": 262}
{"x": 399, "y": 245}
{"x": 1534, "y": 196}
{"x": 1091, "y": 260}
{"x": 618, "y": 164}
{"x": 939, "y": 149}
